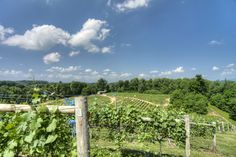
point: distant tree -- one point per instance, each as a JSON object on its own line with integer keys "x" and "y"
{"x": 102, "y": 85}
{"x": 134, "y": 84}
{"x": 177, "y": 99}
{"x": 198, "y": 85}
{"x": 232, "y": 113}
{"x": 141, "y": 86}
{"x": 218, "y": 100}
{"x": 197, "y": 103}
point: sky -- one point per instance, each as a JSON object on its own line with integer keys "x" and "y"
{"x": 84, "y": 40}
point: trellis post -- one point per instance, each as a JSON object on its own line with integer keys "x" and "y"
{"x": 187, "y": 140}
{"x": 82, "y": 127}
{"x": 214, "y": 137}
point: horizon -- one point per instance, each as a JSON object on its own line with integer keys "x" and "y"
{"x": 57, "y": 40}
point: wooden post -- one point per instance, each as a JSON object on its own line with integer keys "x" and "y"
{"x": 82, "y": 128}
{"x": 214, "y": 137}
{"x": 223, "y": 128}
{"x": 187, "y": 140}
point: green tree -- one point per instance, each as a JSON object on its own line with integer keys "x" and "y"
{"x": 102, "y": 85}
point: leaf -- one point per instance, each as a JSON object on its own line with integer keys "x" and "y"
{"x": 12, "y": 144}
{"x": 51, "y": 139}
{"x": 30, "y": 137}
{"x": 8, "y": 153}
{"x": 52, "y": 126}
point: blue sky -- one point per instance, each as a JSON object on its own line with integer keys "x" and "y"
{"x": 117, "y": 39}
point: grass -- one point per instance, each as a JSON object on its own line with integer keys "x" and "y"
{"x": 99, "y": 100}
{"x": 154, "y": 98}
{"x": 221, "y": 113}
{"x": 200, "y": 147}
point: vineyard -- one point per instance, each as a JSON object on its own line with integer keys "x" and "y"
{"x": 128, "y": 126}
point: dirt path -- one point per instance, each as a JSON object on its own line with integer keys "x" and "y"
{"x": 112, "y": 98}
{"x": 167, "y": 102}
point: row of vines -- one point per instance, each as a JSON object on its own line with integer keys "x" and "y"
{"x": 38, "y": 133}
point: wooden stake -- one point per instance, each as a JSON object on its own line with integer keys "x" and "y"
{"x": 214, "y": 138}
{"x": 187, "y": 140}
{"x": 82, "y": 127}
{"x": 223, "y": 128}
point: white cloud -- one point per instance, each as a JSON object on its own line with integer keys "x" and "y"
{"x": 142, "y": 75}
{"x": 109, "y": 3}
{"x": 131, "y": 5}
{"x": 230, "y": 65}
{"x": 229, "y": 71}
{"x": 52, "y": 58}
{"x": 106, "y": 70}
{"x": 5, "y": 31}
{"x": 170, "y": 72}
{"x": 95, "y": 73}
{"x": 215, "y": 43}
{"x": 10, "y": 73}
{"x": 30, "y": 70}
{"x": 39, "y": 38}
{"x": 163, "y": 73}
{"x": 178, "y": 70}
{"x": 154, "y": 72}
{"x": 125, "y": 75}
{"x": 88, "y": 70}
{"x": 106, "y": 50}
{"x": 92, "y": 30}
{"x": 74, "y": 53}
{"x": 63, "y": 70}
{"x": 193, "y": 69}
{"x": 215, "y": 68}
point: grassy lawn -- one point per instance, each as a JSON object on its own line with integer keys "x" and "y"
{"x": 154, "y": 98}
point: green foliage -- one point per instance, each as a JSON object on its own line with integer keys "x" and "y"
{"x": 189, "y": 102}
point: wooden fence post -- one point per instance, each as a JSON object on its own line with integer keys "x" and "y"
{"x": 214, "y": 137}
{"x": 187, "y": 140}
{"x": 223, "y": 128}
{"x": 82, "y": 127}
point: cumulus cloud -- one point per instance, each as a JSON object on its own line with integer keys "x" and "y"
{"x": 92, "y": 30}
{"x": 88, "y": 70}
{"x": 170, "y": 72}
{"x": 63, "y": 70}
{"x": 230, "y": 65}
{"x": 128, "y": 5}
{"x": 228, "y": 71}
{"x": 154, "y": 72}
{"x": 39, "y": 38}
{"x": 178, "y": 70}
{"x": 4, "y": 31}
{"x": 106, "y": 70}
{"x": 215, "y": 68}
{"x": 51, "y": 58}
{"x": 47, "y": 36}
{"x": 106, "y": 50}
{"x": 124, "y": 75}
{"x": 215, "y": 43}
{"x": 74, "y": 53}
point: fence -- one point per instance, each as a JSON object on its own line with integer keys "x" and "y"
{"x": 82, "y": 128}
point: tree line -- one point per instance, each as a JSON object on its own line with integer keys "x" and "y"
{"x": 188, "y": 94}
